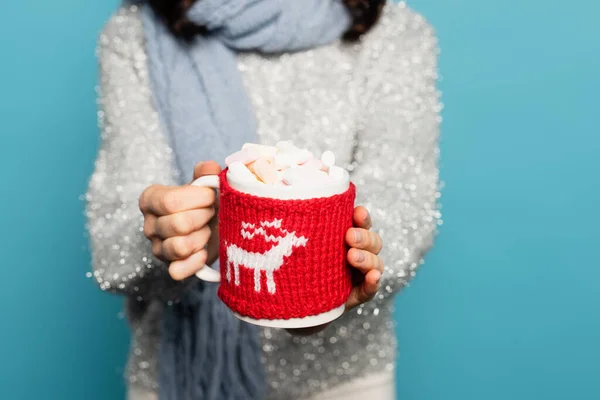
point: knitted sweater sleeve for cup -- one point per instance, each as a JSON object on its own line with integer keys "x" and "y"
{"x": 299, "y": 243}
{"x": 133, "y": 155}
{"x": 390, "y": 159}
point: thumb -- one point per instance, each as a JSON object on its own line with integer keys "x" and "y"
{"x": 206, "y": 168}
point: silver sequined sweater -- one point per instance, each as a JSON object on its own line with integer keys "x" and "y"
{"x": 374, "y": 103}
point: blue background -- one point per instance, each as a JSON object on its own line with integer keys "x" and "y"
{"x": 507, "y": 305}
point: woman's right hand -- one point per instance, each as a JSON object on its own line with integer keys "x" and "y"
{"x": 179, "y": 220}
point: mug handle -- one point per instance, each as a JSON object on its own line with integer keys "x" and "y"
{"x": 207, "y": 273}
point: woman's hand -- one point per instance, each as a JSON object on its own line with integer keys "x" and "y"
{"x": 363, "y": 255}
{"x": 179, "y": 222}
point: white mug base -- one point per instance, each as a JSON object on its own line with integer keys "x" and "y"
{"x": 293, "y": 323}
{"x": 208, "y": 274}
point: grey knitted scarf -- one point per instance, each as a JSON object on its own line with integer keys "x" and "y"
{"x": 206, "y": 353}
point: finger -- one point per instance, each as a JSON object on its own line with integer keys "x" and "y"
{"x": 146, "y": 196}
{"x": 364, "y": 239}
{"x": 183, "y": 223}
{"x": 206, "y": 168}
{"x": 364, "y": 292}
{"x": 181, "y": 247}
{"x": 371, "y": 285}
{"x": 157, "y": 249}
{"x": 150, "y": 226}
{"x": 165, "y": 200}
{"x": 181, "y": 269}
{"x": 362, "y": 218}
{"x": 364, "y": 261}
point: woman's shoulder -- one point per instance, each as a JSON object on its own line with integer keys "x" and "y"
{"x": 402, "y": 43}
{"x": 399, "y": 23}
{"x": 400, "y": 29}
{"x": 122, "y": 33}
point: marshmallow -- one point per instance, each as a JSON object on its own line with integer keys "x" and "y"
{"x": 313, "y": 164}
{"x": 291, "y": 158}
{"x": 295, "y": 177}
{"x": 263, "y": 151}
{"x": 320, "y": 178}
{"x": 328, "y": 158}
{"x": 285, "y": 145}
{"x": 337, "y": 174}
{"x": 284, "y": 160}
{"x": 245, "y": 156}
{"x": 302, "y": 156}
{"x": 304, "y": 177}
{"x": 283, "y": 165}
{"x": 265, "y": 170}
{"x": 239, "y": 172}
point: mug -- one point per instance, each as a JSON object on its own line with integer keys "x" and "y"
{"x": 282, "y": 251}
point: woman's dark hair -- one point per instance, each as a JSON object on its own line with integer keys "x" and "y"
{"x": 365, "y": 14}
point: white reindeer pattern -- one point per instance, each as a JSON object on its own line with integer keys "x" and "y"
{"x": 270, "y": 261}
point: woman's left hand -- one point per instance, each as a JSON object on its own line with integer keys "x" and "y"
{"x": 365, "y": 246}
{"x": 363, "y": 257}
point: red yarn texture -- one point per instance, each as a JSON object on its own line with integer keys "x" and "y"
{"x": 311, "y": 279}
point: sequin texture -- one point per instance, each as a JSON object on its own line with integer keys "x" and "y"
{"x": 374, "y": 102}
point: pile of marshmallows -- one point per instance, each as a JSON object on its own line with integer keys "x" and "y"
{"x": 283, "y": 165}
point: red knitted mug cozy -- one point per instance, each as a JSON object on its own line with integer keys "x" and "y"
{"x": 283, "y": 259}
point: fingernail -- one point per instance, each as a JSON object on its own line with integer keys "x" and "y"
{"x": 357, "y": 236}
{"x": 360, "y": 256}
{"x": 378, "y": 278}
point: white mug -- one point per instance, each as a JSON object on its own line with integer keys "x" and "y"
{"x": 280, "y": 193}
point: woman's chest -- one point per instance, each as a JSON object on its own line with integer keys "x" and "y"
{"x": 310, "y": 98}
